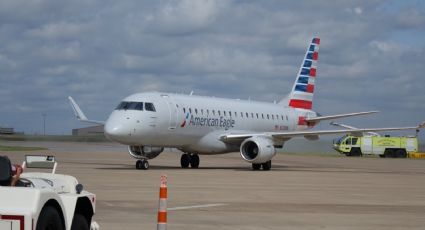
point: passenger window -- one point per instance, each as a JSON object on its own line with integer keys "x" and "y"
{"x": 208, "y": 112}
{"x": 214, "y": 112}
{"x": 219, "y": 113}
{"x": 247, "y": 116}
{"x": 241, "y": 114}
{"x": 257, "y": 115}
{"x": 348, "y": 141}
{"x": 252, "y": 115}
{"x": 149, "y": 107}
{"x": 286, "y": 117}
{"x": 268, "y": 117}
{"x": 190, "y": 110}
{"x": 202, "y": 111}
{"x": 281, "y": 117}
{"x": 236, "y": 114}
{"x": 196, "y": 111}
{"x": 272, "y": 116}
{"x": 262, "y": 115}
{"x": 224, "y": 113}
{"x": 184, "y": 110}
{"x": 230, "y": 113}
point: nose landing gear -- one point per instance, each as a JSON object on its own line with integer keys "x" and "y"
{"x": 142, "y": 164}
{"x": 189, "y": 159}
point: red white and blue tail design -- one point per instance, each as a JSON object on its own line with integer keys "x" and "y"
{"x": 302, "y": 92}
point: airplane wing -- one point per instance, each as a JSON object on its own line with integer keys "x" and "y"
{"x": 231, "y": 138}
{"x": 351, "y": 127}
{"x": 79, "y": 113}
{"x": 331, "y": 117}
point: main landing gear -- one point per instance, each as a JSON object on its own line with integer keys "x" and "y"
{"x": 189, "y": 159}
{"x": 266, "y": 166}
{"x": 142, "y": 164}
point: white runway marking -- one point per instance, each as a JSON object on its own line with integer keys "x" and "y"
{"x": 195, "y": 206}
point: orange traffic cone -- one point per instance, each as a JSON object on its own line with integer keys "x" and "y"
{"x": 162, "y": 207}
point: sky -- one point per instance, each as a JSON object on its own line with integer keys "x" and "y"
{"x": 99, "y": 51}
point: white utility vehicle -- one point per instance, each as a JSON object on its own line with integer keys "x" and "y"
{"x": 44, "y": 201}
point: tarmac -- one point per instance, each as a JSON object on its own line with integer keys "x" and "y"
{"x": 300, "y": 192}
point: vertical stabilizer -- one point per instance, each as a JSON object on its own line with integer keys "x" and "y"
{"x": 301, "y": 95}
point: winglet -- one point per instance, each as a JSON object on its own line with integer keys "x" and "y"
{"x": 79, "y": 113}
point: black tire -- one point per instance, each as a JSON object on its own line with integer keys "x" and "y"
{"x": 256, "y": 166}
{"x": 145, "y": 164}
{"x": 139, "y": 164}
{"x": 267, "y": 166}
{"x": 401, "y": 153}
{"x": 185, "y": 160}
{"x": 49, "y": 219}
{"x": 355, "y": 152}
{"x": 79, "y": 223}
{"x": 389, "y": 153}
{"x": 194, "y": 161}
{"x": 382, "y": 155}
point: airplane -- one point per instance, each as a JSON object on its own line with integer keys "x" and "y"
{"x": 197, "y": 125}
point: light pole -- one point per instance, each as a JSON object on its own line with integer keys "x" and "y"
{"x": 44, "y": 123}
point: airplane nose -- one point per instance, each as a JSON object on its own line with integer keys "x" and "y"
{"x": 115, "y": 132}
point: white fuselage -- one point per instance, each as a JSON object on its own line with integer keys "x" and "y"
{"x": 195, "y": 123}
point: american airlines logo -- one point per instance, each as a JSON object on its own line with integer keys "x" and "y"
{"x": 221, "y": 122}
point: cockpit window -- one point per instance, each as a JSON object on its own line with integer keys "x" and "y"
{"x": 130, "y": 105}
{"x": 149, "y": 107}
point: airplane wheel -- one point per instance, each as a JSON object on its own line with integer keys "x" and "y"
{"x": 145, "y": 164}
{"x": 142, "y": 164}
{"x": 194, "y": 161}
{"x": 139, "y": 164}
{"x": 256, "y": 166}
{"x": 267, "y": 166}
{"x": 185, "y": 160}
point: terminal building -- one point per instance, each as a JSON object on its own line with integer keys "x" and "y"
{"x": 88, "y": 131}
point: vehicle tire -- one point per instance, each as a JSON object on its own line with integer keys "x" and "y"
{"x": 194, "y": 161}
{"x": 145, "y": 164}
{"x": 389, "y": 153}
{"x": 139, "y": 164}
{"x": 185, "y": 160}
{"x": 401, "y": 153}
{"x": 267, "y": 166}
{"x": 256, "y": 166}
{"x": 355, "y": 152}
{"x": 49, "y": 219}
{"x": 382, "y": 155}
{"x": 79, "y": 223}
{"x": 348, "y": 154}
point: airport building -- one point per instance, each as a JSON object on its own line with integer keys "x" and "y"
{"x": 4, "y": 130}
{"x": 88, "y": 131}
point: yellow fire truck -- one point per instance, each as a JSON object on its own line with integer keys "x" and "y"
{"x": 386, "y": 146}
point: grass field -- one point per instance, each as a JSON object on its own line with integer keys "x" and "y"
{"x": 20, "y": 148}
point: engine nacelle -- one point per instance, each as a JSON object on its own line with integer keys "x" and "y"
{"x": 144, "y": 152}
{"x": 257, "y": 150}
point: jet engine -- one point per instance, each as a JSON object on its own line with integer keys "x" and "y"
{"x": 257, "y": 150}
{"x": 144, "y": 152}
